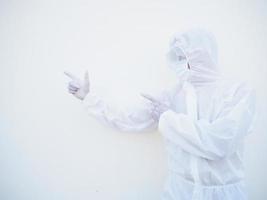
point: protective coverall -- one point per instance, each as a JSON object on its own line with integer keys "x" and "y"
{"x": 204, "y": 127}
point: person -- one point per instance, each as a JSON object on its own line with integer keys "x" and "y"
{"x": 203, "y": 119}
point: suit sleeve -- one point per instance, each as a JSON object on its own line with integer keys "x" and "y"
{"x": 211, "y": 140}
{"x": 134, "y": 118}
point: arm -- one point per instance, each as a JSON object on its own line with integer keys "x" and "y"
{"x": 137, "y": 118}
{"x": 211, "y": 140}
{"x": 134, "y": 119}
{"x": 144, "y": 116}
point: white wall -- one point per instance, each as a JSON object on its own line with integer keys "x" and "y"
{"x": 49, "y": 147}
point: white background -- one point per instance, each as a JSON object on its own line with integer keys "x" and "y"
{"x": 50, "y": 148}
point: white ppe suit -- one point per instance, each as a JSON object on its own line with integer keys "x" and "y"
{"x": 204, "y": 127}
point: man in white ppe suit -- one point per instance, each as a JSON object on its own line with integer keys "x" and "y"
{"x": 203, "y": 119}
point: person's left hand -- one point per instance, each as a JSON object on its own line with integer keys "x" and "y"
{"x": 157, "y": 106}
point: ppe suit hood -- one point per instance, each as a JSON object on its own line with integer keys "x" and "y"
{"x": 197, "y": 49}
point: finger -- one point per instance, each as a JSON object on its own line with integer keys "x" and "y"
{"x": 149, "y": 97}
{"x": 75, "y": 84}
{"x": 72, "y": 88}
{"x": 86, "y": 76}
{"x": 70, "y": 75}
{"x": 146, "y": 97}
{"x": 72, "y": 92}
{"x": 154, "y": 115}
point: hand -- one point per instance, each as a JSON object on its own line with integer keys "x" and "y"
{"x": 157, "y": 106}
{"x": 79, "y": 88}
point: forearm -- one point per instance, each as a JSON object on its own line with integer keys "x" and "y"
{"x": 211, "y": 141}
{"x": 133, "y": 119}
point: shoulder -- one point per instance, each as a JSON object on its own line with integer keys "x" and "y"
{"x": 234, "y": 91}
{"x": 235, "y": 87}
{"x": 243, "y": 90}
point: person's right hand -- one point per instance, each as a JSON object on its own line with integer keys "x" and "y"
{"x": 78, "y": 87}
{"x": 157, "y": 106}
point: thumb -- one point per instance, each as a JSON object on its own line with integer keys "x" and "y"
{"x": 86, "y": 77}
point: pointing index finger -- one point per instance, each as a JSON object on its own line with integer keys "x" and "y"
{"x": 149, "y": 97}
{"x": 70, "y": 75}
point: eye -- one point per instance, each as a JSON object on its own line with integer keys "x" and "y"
{"x": 181, "y": 58}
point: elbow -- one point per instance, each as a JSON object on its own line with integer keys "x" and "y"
{"x": 219, "y": 153}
